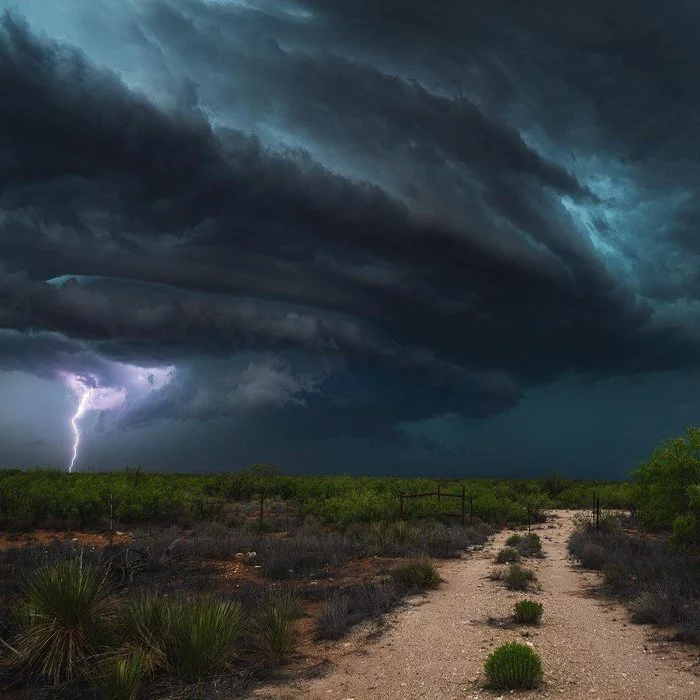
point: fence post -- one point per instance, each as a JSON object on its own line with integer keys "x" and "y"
{"x": 111, "y": 518}
{"x": 438, "y": 493}
{"x": 400, "y": 506}
{"x": 464, "y": 502}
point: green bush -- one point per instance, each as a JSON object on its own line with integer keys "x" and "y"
{"x": 508, "y": 555}
{"x": 519, "y": 579}
{"x": 62, "y": 620}
{"x": 528, "y": 612}
{"x": 513, "y": 540}
{"x": 415, "y": 575}
{"x": 668, "y": 485}
{"x": 513, "y": 666}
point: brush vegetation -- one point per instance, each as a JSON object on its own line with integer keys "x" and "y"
{"x": 513, "y": 666}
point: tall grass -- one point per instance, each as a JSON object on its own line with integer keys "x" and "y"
{"x": 120, "y": 677}
{"x": 201, "y": 638}
{"x": 62, "y": 621}
{"x": 276, "y": 624}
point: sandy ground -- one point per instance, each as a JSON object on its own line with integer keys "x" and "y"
{"x": 436, "y": 647}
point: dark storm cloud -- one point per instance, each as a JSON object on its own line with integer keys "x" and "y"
{"x": 302, "y": 194}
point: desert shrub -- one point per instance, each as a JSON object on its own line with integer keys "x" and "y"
{"x": 305, "y": 553}
{"x": 276, "y": 623}
{"x": 513, "y": 540}
{"x": 661, "y": 583}
{"x": 119, "y": 677}
{"x": 528, "y": 612}
{"x": 593, "y": 556}
{"x": 346, "y": 608}
{"x": 62, "y": 620}
{"x": 416, "y": 575}
{"x": 212, "y": 540}
{"x": 513, "y": 666}
{"x": 530, "y": 545}
{"x": 508, "y": 555}
{"x": 518, "y": 579}
{"x": 498, "y": 573}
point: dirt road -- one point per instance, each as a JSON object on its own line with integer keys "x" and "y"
{"x": 436, "y": 647}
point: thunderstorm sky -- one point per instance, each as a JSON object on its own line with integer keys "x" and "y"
{"x": 445, "y": 237}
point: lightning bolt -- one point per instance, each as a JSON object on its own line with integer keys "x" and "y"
{"x": 82, "y": 404}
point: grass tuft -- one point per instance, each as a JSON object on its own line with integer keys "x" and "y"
{"x": 528, "y": 612}
{"x": 513, "y": 666}
{"x": 417, "y": 575}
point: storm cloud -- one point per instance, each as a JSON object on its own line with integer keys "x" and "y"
{"x": 339, "y": 219}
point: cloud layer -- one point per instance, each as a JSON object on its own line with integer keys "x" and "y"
{"x": 346, "y": 216}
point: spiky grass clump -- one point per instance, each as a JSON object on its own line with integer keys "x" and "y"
{"x": 143, "y": 626}
{"x": 276, "y": 623}
{"x": 513, "y": 666}
{"x": 417, "y": 575}
{"x": 528, "y": 612}
{"x": 508, "y": 555}
{"x": 62, "y": 620}
{"x": 190, "y": 640}
{"x": 201, "y": 638}
{"x": 518, "y": 578}
{"x": 120, "y": 677}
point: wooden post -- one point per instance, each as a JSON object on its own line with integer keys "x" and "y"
{"x": 464, "y": 502}
{"x": 400, "y": 506}
{"x": 111, "y": 518}
{"x": 438, "y": 493}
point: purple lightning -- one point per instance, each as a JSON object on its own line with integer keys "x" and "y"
{"x": 82, "y": 406}
{"x": 111, "y": 391}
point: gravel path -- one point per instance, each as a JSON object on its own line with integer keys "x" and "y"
{"x": 436, "y": 647}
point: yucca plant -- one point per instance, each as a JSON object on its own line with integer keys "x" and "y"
{"x": 201, "y": 638}
{"x": 528, "y": 612}
{"x": 276, "y": 623}
{"x": 120, "y": 677}
{"x": 62, "y": 620}
{"x": 512, "y": 666}
{"x": 143, "y": 625}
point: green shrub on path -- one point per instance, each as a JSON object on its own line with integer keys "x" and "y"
{"x": 508, "y": 555}
{"x": 528, "y": 612}
{"x": 513, "y": 666}
{"x": 62, "y": 620}
{"x": 518, "y": 578}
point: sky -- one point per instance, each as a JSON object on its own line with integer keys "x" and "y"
{"x": 397, "y": 237}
